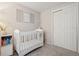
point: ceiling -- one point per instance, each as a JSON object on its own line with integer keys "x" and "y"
{"x": 37, "y": 6}
{"x": 42, "y": 6}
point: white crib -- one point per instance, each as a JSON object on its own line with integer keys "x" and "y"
{"x": 25, "y": 42}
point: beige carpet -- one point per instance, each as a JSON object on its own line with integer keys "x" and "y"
{"x": 48, "y": 50}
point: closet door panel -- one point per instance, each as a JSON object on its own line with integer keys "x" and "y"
{"x": 65, "y": 27}
{"x": 70, "y": 27}
{"x": 58, "y": 29}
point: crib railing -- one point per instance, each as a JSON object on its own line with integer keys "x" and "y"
{"x": 22, "y": 37}
{"x": 27, "y": 36}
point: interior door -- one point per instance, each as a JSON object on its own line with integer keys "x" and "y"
{"x": 65, "y": 27}
{"x": 59, "y": 28}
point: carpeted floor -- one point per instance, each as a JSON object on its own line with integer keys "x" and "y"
{"x": 48, "y": 50}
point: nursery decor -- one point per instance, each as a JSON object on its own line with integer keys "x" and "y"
{"x": 2, "y": 28}
{"x": 24, "y": 42}
{"x": 6, "y": 45}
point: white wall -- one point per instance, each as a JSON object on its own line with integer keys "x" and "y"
{"x": 46, "y": 24}
{"x": 78, "y": 28}
{"x": 8, "y": 17}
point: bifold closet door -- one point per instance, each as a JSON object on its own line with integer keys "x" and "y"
{"x": 65, "y": 27}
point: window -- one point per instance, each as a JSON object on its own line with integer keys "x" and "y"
{"x": 25, "y": 17}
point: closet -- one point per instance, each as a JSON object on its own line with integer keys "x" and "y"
{"x": 65, "y": 27}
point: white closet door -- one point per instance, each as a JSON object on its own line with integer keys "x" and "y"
{"x": 59, "y": 29}
{"x": 65, "y": 28}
